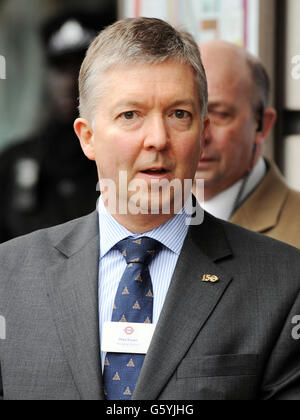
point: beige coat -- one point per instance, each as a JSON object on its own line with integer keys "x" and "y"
{"x": 273, "y": 209}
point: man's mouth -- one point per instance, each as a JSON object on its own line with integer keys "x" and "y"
{"x": 155, "y": 171}
{"x": 207, "y": 160}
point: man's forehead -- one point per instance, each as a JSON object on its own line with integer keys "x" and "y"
{"x": 171, "y": 65}
{"x": 227, "y": 100}
{"x": 221, "y": 102}
{"x": 229, "y": 75}
{"x": 166, "y": 79}
{"x": 227, "y": 83}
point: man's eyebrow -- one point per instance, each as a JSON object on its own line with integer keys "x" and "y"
{"x": 127, "y": 103}
{"x": 219, "y": 104}
{"x": 136, "y": 104}
{"x": 184, "y": 102}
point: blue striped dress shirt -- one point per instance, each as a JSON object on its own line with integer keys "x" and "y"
{"x": 112, "y": 264}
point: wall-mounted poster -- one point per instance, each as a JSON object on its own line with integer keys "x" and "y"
{"x": 230, "y": 20}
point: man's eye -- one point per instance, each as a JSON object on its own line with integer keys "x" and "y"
{"x": 129, "y": 115}
{"x": 181, "y": 115}
{"x": 218, "y": 114}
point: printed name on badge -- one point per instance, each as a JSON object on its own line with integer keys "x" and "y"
{"x": 123, "y": 337}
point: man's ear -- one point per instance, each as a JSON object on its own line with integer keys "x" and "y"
{"x": 85, "y": 134}
{"x": 268, "y": 121}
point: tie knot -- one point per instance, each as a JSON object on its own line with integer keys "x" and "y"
{"x": 139, "y": 251}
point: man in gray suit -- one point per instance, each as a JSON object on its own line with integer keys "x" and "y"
{"x": 219, "y": 320}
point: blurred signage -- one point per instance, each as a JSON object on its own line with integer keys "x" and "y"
{"x": 205, "y": 19}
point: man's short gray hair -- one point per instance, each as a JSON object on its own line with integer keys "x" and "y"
{"x": 261, "y": 83}
{"x": 141, "y": 41}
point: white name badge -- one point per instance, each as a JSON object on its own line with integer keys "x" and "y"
{"x": 123, "y": 337}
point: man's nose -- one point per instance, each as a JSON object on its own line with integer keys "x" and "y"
{"x": 208, "y": 134}
{"x": 157, "y": 135}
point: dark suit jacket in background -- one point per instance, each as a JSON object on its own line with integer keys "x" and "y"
{"x": 230, "y": 340}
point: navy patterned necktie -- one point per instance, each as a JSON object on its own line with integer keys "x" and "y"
{"x": 133, "y": 303}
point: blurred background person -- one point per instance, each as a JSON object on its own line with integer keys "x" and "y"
{"x": 37, "y": 189}
{"x": 240, "y": 185}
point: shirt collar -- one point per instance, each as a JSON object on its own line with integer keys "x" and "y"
{"x": 171, "y": 234}
{"x": 221, "y": 206}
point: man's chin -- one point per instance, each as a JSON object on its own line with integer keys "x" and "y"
{"x": 152, "y": 204}
{"x": 206, "y": 175}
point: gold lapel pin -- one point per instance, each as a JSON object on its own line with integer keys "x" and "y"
{"x": 208, "y": 278}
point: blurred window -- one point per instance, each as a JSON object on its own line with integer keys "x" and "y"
{"x": 232, "y": 20}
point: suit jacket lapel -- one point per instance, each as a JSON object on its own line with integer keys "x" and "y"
{"x": 262, "y": 209}
{"x": 73, "y": 293}
{"x": 189, "y": 303}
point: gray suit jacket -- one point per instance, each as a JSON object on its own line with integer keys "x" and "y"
{"x": 230, "y": 340}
